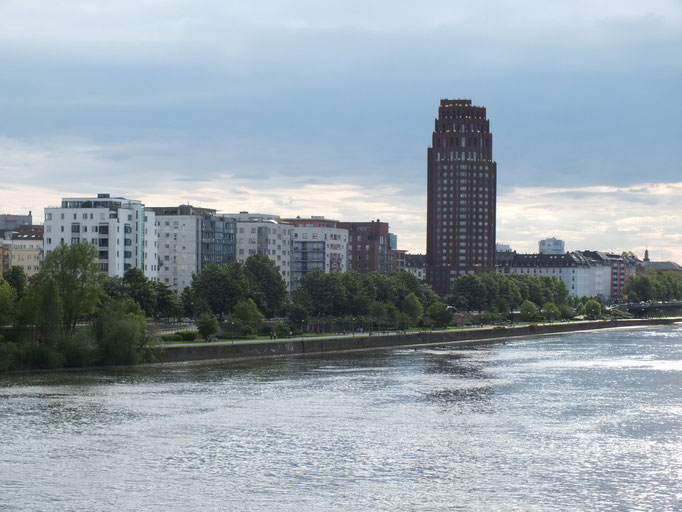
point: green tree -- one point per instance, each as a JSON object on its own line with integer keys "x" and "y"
{"x": 439, "y": 313}
{"x": 592, "y": 309}
{"x": 167, "y": 303}
{"x": 266, "y": 286}
{"x": 78, "y": 279}
{"x": 551, "y": 311}
{"x": 580, "y": 309}
{"x": 187, "y": 302}
{"x": 469, "y": 289}
{"x": 298, "y": 317}
{"x": 115, "y": 288}
{"x": 8, "y": 303}
{"x": 427, "y": 295}
{"x": 207, "y": 325}
{"x": 16, "y": 278}
{"x": 41, "y": 306}
{"x": 246, "y": 317}
{"x": 141, "y": 290}
{"x": 120, "y": 331}
{"x": 220, "y": 287}
{"x": 413, "y": 308}
{"x": 322, "y": 294}
{"x": 529, "y": 311}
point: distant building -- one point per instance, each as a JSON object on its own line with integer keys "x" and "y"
{"x": 368, "y": 246}
{"x": 461, "y": 195}
{"x": 551, "y": 246}
{"x": 317, "y": 244}
{"x": 189, "y": 239}
{"x": 415, "y": 264}
{"x": 393, "y": 241}
{"x": 502, "y": 248}
{"x": 22, "y": 247}
{"x": 123, "y": 231}
{"x": 397, "y": 257}
{"x": 663, "y": 265}
{"x": 268, "y": 235}
{"x": 585, "y": 273}
{"x": 10, "y": 221}
{"x": 659, "y": 265}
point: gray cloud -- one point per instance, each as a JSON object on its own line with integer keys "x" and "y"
{"x": 127, "y": 96}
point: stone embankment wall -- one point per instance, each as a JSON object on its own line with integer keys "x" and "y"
{"x": 226, "y": 350}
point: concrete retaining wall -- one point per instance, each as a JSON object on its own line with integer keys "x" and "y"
{"x": 225, "y": 350}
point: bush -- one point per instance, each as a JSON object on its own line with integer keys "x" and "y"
{"x": 172, "y": 337}
{"x": 207, "y": 325}
{"x": 551, "y": 311}
{"x": 40, "y": 357}
{"x": 9, "y": 356}
{"x": 282, "y": 330}
{"x": 234, "y": 336}
{"x": 592, "y": 309}
{"x": 566, "y": 312}
{"x": 619, "y": 314}
{"x": 247, "y": 330}
{"x": 120, "y": 331}
{"x": 529, "y": 311}
{"x": 79, "y": 350}
{"x": 118, "y": 343}
{"x": 187, "y": 335}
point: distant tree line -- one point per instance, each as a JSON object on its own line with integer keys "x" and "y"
{"x": 72, "y": 314}
{"x": 497, "y": 296}
{"x": 654, "y": 285}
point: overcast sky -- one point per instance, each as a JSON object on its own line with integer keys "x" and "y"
{"x": 327, "y": 108}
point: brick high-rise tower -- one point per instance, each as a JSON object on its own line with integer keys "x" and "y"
{"x": 462, "y": 188}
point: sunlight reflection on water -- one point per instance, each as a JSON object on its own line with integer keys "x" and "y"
{"x": 573, "y": 422}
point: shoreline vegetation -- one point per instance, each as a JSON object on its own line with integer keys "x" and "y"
{"x": 72, "y": 315}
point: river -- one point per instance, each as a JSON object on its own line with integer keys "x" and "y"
{"x": 582, "y": 421}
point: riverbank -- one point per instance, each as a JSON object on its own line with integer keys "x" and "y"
{"x": 320, "y": 345}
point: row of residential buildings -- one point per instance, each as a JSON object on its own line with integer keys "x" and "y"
{"x": 170, "y": 244}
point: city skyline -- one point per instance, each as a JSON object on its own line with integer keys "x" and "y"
{"x": 326, "y": 111}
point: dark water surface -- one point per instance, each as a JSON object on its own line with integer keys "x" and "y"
{"x": 584, "y": 421}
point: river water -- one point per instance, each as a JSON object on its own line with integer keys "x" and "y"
{"x": 583, "y": 421}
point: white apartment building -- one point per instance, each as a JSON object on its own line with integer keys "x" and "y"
{"x": 189, "y": 239}
{"x": 123, "y": 231}
{"x": 317, "y": 245}
{"x": 583, "y": 275}
{"x": 258, "y": 233}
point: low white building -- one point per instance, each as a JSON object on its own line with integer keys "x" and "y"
{"x": 259, "y": 233}
{"x": 584, "y": 274}
{"x": 123, "y": 231}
